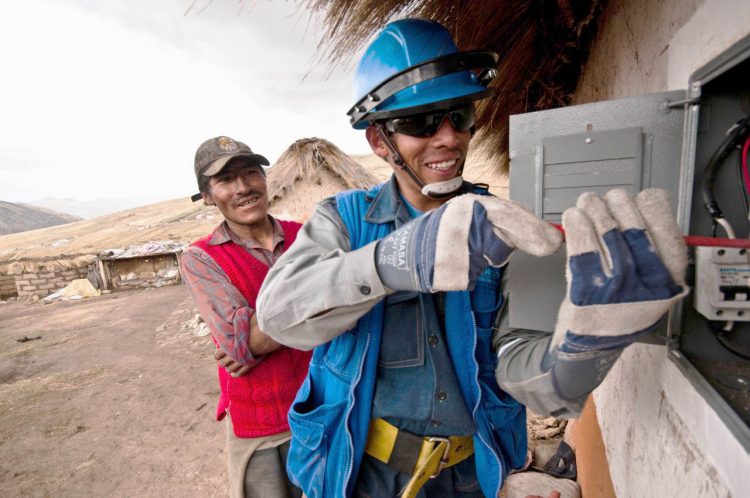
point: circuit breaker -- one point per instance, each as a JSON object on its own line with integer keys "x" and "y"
{"x": 678, "y": 141}
{"x": 722, "y": 283}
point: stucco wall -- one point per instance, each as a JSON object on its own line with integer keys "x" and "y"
{"x": 630, "y": 54}
{"x": 661, "y": 439}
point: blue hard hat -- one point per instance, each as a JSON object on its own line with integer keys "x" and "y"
{"x": 413, "y": 66}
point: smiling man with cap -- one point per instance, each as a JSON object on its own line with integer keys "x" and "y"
{"x": 223, "y": 272}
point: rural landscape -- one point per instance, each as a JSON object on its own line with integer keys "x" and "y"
{"x": 568, "y": 109}
{"x": 115, "y": 394}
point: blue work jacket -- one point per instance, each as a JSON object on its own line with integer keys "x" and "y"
{"x": 330, "y": 416}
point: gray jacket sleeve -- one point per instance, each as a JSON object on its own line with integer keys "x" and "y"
{"x": 319, "y": 288}
{"x": 519, "y": 370}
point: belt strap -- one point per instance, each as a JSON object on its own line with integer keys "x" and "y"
{"x": 429, "y": 455}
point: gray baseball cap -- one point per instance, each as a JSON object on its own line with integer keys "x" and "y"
{"x": 215, "y": 153}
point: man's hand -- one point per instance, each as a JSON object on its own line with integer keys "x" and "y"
{"x": 552, "y": 494}
{"x": 625, "y": 269}
{"x": 448, "y": 248}
{"x": 259, "y": 344}
{"x": 232, "y": 367}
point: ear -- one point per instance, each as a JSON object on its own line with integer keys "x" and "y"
{"x": 207, "y": 199}
{"x": 376, "y": 143}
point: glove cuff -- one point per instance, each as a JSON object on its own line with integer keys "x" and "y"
{"x": 393, "y": 265}
{"x": 611, "y": 320}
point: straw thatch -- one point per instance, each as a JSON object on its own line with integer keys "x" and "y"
{"x": 543, "y": 45}
{"x": 306, "y": 160}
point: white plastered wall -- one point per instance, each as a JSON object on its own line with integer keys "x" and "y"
{"x": 661, "y": 437}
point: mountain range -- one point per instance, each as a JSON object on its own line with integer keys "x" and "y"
{"x": 17, "y": 217}
{"x": 95, "y": 207}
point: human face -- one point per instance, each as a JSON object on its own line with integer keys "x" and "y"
{"x": 240, "y": 193}
{"x": 433, "y": 159}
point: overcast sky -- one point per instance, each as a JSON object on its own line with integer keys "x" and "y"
{"x": 112, "y": 97}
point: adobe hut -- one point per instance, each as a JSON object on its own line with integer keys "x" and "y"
{"x": 310, "y": 170}
{"x": 154, "y": 264}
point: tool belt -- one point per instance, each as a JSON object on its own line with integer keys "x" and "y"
{"x": 421, "y": 457}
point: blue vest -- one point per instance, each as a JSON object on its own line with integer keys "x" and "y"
{"x": 330, "y": 416}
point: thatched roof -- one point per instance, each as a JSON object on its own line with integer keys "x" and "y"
{"x": 543, "y": 45}
{"x": 306, "y": 159}
{"x": 76, "y": 244}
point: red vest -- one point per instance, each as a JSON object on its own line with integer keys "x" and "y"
{"x": 257, "y": 402}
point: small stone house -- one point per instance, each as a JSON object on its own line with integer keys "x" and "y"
{"x": 155, "y": 264}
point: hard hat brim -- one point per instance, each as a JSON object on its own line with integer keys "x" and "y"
{"x": 371, "y": 105}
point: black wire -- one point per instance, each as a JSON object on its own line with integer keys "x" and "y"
{"x": 708, "y": 176}
{"x": 723, "y": 337}
{"x": 743, "y": 187}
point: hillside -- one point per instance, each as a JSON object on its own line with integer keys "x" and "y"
{"x": 94, "y": 208}
{"x": 17, "y": 217}
{"x": 178, "y": 220}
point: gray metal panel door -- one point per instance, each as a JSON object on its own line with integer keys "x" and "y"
{"x": 555, "y": 155}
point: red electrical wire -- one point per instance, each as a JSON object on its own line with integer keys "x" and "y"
{"x": 699, "y": 240}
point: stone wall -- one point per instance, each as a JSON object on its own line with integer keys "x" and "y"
{"x": 44, "y": 283}
{"x": 7, "y": 286}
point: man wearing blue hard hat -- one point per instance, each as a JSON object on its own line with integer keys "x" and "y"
{"x": 415, "y": 388}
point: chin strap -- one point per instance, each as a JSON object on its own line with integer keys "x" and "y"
{"x": 438, "y": 190}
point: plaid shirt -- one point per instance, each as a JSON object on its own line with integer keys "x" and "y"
{"x": 224, "y": 309}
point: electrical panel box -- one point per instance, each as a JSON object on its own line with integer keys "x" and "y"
{"x": 559, "y": 154}
{"x": 661, "y": 140}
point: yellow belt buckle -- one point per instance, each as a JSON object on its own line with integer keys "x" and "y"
{"x": 446, "y": 453}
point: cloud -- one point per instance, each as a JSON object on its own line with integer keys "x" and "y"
{"x": 112, "y": 98}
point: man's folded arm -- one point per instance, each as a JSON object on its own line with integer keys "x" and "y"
{"x": 319, "y": 288}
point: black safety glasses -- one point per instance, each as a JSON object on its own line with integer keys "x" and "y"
{"x": 428, "y": 123}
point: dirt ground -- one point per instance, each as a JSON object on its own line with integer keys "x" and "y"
{"x": 116, "y": 398}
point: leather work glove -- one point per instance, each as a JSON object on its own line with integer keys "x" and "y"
{"x": 448, "y": 248}
{"x": 626, "y": 263}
